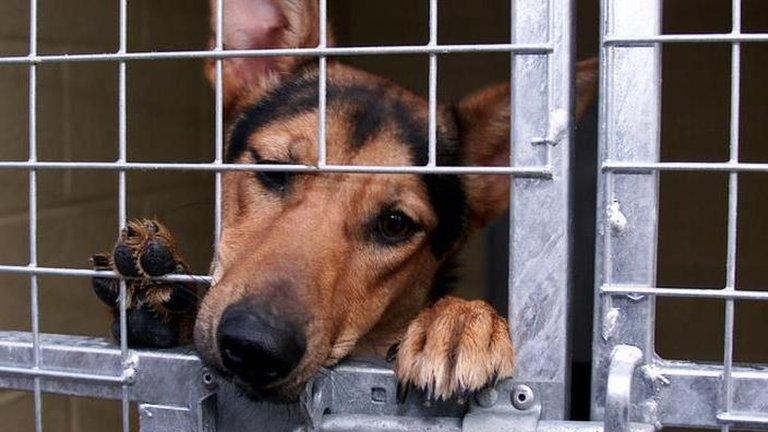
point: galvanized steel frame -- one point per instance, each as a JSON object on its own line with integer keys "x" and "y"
{"x": 666, "y": 393}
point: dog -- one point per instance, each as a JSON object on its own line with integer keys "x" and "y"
{"x": 314, "y": 267}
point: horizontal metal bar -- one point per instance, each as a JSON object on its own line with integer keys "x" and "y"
{"x": 384, "y": 423}
{"x": 686, "y": 393}
{"x": 686, "y": 38}
{"x": 530, "y": 172}
{"x": 743, "y": 419}
{"x": 329, "y": 51}
{"x": 77, "y": 376}
{"x": 60, "y": 271}
{"x": 685, "y": 292}
{"x": 94, "y": 367}
{"x": 650, "y": 167}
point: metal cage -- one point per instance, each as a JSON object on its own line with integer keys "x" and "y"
{"x": 175, "y": 392}
{"x": 667, "y": 393}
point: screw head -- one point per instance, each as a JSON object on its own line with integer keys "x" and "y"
{"x": 523, "y": 397}
{"x": 209, "y": 380}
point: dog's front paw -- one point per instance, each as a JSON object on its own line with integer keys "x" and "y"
{"x": 159, "y": 314}
{"x": 454, "y": 348}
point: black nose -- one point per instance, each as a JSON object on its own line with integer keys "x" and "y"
{"x": 258, "y": 347}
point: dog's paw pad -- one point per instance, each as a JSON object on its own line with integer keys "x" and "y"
{"x": 125, "y": 261}
{"x": 146, "y": 248}
{"x": 157, "y": 258}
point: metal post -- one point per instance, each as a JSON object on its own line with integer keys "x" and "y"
{"x": 540, "y": 236}
{"x": 627, "y": 204}
{"x": 34, "y": 288}
{"x": 733, "y": 205}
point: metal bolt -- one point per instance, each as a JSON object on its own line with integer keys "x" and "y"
{"x": 209, "y": 381}
{"x": 523, "y": 397}
{"x": 616, "y": 218}
{"x": 487, "y": 397}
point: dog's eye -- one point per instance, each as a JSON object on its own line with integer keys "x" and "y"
{"x": 394, "y": 226}
{"x": 276, "y": 181}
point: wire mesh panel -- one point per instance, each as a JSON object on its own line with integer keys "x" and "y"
{"x": 172, "y": 387}
{"x": 666, "y": 393}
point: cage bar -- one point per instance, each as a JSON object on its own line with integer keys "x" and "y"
{"x": 432, "y": 85}
{"x": 650, "y": 167}
{"x": 733, "y": 204}
{"x": 34, "y": 288}
{"x": 122, "y": 200}
{"x": 518, "y": 171}
{"x": 279, "y": 52}
{"x": 322, "y": 86}
{"x": 629, "y": 130}
{"x": 686, "y": 38}
{"x": 219, "y": 123}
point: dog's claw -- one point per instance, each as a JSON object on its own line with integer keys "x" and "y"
{"x": 402, "y": 392}
{"x": 454, "y": 349}
{"x": 392, "y": 352}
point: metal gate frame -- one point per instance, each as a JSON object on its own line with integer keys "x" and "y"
{"x": 666, "y": 393}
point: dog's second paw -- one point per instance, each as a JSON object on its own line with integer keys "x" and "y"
{"x": 158, "y": 314}
{"x": 454, "y": 348}
{"x": 146, "y": 248}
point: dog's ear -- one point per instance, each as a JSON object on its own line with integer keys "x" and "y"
{"x": 261, "y": 24}
{"x": 483, "y": 119}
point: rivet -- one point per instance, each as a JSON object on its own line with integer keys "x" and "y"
{"x": 523, "y": 397}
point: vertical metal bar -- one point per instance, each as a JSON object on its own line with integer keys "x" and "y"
{"x": 34, "y": 289}
{"x": 627, "y": 205}
{"x": 122, "y": 192}
{"x": 733, "y": 203}
{"x": 322, "y": 85}
{"x": 219, "y": 113}
{"x": 432, "y": 158}
{"x": 540, "y": 236}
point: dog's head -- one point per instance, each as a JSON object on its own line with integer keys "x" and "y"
{"x": 309, "y": 265}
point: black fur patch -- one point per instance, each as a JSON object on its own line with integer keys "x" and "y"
{"x": 446, "y": 191}
{"x": 370, "y": 107}
{"x": 444, "y": 281}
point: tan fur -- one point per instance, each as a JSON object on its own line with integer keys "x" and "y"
{"x": 455, "y": 347}
{"x": 345, "y": 287}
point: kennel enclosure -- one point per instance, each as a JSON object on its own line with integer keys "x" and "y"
{"x": 632, "y": 388}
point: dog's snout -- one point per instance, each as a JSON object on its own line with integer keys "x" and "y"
{"x": 258, "y": 347}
